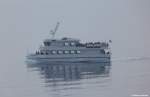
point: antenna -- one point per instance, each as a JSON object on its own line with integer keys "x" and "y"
{"x": 53, "y": 32}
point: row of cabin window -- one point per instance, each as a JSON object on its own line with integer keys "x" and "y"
{"x": 60, "y": 52}
{"x": 66, "y": 43}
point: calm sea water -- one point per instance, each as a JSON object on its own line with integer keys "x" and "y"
{"x": 120, "y": 78}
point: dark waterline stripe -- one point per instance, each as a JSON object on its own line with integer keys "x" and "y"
{"x": 71, "y": 57}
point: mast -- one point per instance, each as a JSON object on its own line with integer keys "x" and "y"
{"x": 53, "y": 32}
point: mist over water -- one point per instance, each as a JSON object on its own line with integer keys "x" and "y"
{"x": 26, "y": 23}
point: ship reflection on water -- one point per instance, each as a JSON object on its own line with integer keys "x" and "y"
{"x": 70, "y": 72}
{"x": 72, "y": 79}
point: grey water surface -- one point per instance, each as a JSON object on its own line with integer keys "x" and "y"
{"x": 121, "y": 78}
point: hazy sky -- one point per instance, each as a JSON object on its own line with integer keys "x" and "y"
{"x": 25, "y": 23}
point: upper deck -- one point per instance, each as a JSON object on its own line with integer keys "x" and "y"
{"x": 71, "y": 43}
{"x": 61, "y": 42}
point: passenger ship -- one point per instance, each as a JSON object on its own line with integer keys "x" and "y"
{"x": 71, "y": 50}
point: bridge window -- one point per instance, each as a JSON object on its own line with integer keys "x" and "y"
{"x": 72, "y": 43}
{"x": 66, "y": 44}
{"x": 66, "y": 52}
{"x": 72, "y": 52}
{"x": 54, "y": 52}
{"x": 60, "y": 52}
{"x": 78, "y": 52}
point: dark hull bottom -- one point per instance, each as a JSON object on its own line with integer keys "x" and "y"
{"x": 72, "y": 60}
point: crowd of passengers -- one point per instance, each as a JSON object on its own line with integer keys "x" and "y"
{"x": 95, "y": 44}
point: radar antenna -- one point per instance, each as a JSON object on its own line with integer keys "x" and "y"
{"x": 53, "y": 32}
